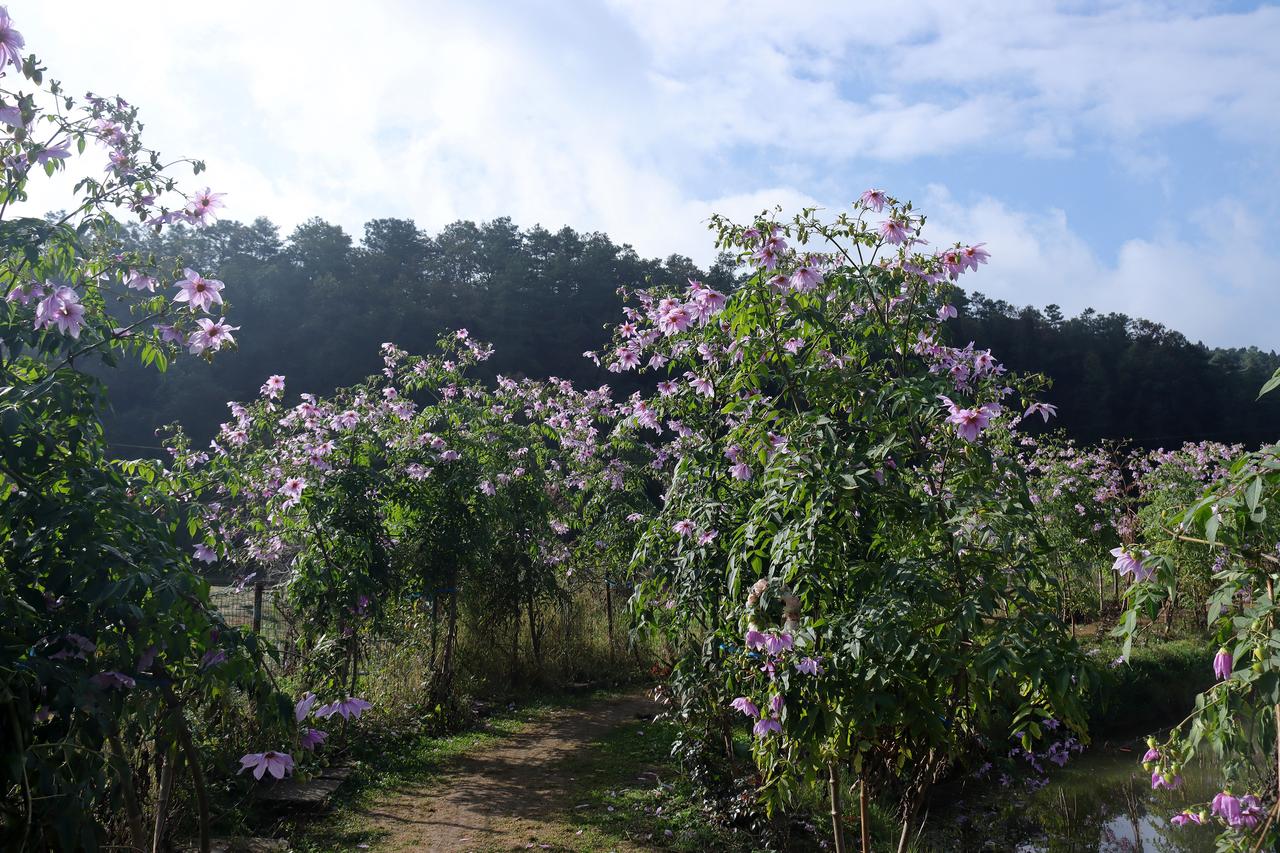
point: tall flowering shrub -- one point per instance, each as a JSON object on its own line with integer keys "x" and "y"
{"x": 847, "y": 557}
{"x": 1166, "y": 482}
{"x": 1225, "y": 541}
{"x": 111, "y": 660}
{"x": 420, "y": 484}
{"x": 1083, "y": 503}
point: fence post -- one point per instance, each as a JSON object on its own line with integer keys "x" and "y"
{"x": 257, "y": 607}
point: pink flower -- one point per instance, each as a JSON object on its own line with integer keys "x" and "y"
{"x": 1222, "y": 663}
{"x": 707, "y": 537}
{"x": 974, "y": 255}
{"x": 25, "y": 294}
{"x": 970, "y": 422}
{"x": 278, "y": 764}
{"x": 140, "y": 281}
{"x": 746, "y": 706}
{"x": 170, "y": 334}
{"x": 199, "y": 292}
{"x": 740, "y": 471}
{"x": 450, "y": 456}
{"x": 769, "y": 251}
{"x": 303, "y": 707}
{"x": 809, "y": 666}
{"x": 11, "y": 42}
{"x": 711, "y": 301}
{"x": 202, "y": 206}
{"x": 765, "y": 726}
{"x": 873, "y": 199}
{"x": 348, "y": 708}
{"x": 274, "y": 386}
{"x": 62, "y": 309}
{"x": 947, "y": 312}
{"x": 1159, "y": 781}
{"x": 112, "y": 681}
{"x": 952, "y": 262}
{"x": 312, "y": 738}
{"x": 755, "y": 640}
{"x": 684, "y": 527}
{"x": 673, "y": 317}
{"x": 805, "y": 279}
{"x": 1183, "y": 818}
{"x": 417, "y": 472}
{"x": 628, "y": 358}
{"x": 793, "y": 345}
{"x": 1227, "y": 807}
{"x": 1042, "y": 409}
{"x": 12, "y": 116}
{"x": 212, "y": 658}
{"x": 777, "y": 643}
{"x": 666, "y": 388}
{"x": 894, "y": 230}
{"x": 76, "y": 648}
{"x": 58, "y": 151}
{"x": 292, "y": 490}
{"x": 1128, "y": 563}
{"x": 211, "y": 335}
{"x": 205, "y": 554}
{"x": 702, "y": 386}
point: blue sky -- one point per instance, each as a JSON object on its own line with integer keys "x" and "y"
{"x": 1119, "y": 155}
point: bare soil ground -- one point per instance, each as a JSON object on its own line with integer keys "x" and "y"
{"x": 511, "y": 796}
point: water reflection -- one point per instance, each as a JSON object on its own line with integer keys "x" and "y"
{"x": 1101, "y": 801}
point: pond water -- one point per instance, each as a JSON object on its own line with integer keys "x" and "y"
{"x": 1101, "y": 801}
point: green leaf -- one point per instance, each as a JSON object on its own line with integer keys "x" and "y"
{"x": 1271, "y": 384}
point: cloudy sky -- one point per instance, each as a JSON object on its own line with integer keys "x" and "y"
{"x": 1120, "y": 155}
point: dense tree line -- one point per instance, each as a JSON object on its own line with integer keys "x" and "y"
{"x": 316, "y": 305}
{"x": 1117, "y": 377}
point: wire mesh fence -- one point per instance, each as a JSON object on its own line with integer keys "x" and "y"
{"x": 256, "y": 607}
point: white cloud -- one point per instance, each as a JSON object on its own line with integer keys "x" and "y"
{"x": 643, "y": 118}
{"x": 1220, "y": 287}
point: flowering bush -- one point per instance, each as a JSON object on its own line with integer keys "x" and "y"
{"x": 1083, "y": 504}
{"x": 1234, "y": 528}
{"x": 847, "y": 554}
{"x": 111, "y": 660}
{"x": 420, "y": 484}
{"x": 1166, "y": 483}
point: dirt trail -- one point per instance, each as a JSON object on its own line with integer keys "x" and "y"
{"x": 506, "y": 797}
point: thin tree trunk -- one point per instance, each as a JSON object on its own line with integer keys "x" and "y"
{"x": 1102, "y": 591}
{"x": 534, "y": 635}
{"x": 910, "y": 817}
{"x": 608, "y": 606}
{"x": 133, "y": 812}
{"x": 162, "y": 802}
{"x": 450, "y": 638}
{"x": 435, "y": 624}
{"x": 193, "y": 761}
{"x": 515, "y": 643}
{"x": 864, "y": 820}
{"x": 837, "y": 815}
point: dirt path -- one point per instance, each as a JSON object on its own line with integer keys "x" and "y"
{"x": 506, "y": 797}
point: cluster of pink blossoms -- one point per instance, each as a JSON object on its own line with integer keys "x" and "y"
{"x": 772, "y": 645}
{"x": 669, "y": 316}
